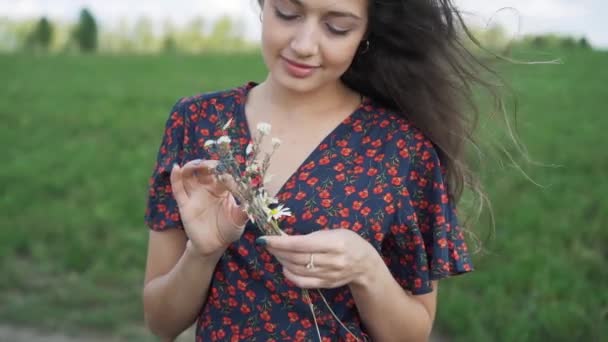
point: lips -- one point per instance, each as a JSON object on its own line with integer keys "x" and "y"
{"x": 300, "y": 65}
{"x": 298, "y": 70}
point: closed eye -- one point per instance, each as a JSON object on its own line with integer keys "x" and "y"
{"x": 337, "y": 31}
{"x": 284, "y": 16}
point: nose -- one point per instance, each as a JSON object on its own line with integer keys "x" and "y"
{"x": 305, "y": 42}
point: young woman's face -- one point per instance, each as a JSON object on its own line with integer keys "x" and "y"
{"x": 308, "y": 44}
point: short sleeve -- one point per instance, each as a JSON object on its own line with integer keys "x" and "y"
{"x": 162, "y": 211}
{"x": 426, "y": 242}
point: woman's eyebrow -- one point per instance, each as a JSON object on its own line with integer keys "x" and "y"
{"x": 299, "y": 3}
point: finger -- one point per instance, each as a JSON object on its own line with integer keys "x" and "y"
{"x": 177, "y": 186}
{"x": 295, "y": 258}
{"x": 236, "y": 216}
{"x": 309, "y": 243}
{"x": 306, "y": 282}
{"x": 200, "y": 174}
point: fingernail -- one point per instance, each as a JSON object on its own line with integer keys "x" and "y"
{"x": 197, "y": 161}
{"x": 261, "y": 241}
{"x": 175, "y": 165}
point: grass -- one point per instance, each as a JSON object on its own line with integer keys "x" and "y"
{"x": 80, "y": 134}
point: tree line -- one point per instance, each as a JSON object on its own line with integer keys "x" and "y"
{"x": 141, "y": 36}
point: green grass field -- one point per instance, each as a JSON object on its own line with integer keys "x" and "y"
{"x": 80, "y": 135}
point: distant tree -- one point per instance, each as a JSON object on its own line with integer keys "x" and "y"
{"x": 42, "y": 35}
{"x": 584, "y": 43}
{"x": 169, "y": 44}
{"x": 86, "y": 32}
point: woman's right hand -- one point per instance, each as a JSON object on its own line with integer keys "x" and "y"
{"x": 211, "y": 218}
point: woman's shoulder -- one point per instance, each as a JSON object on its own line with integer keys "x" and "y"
{"x": 216, "y": 100}
{"x": 393, "y": 126}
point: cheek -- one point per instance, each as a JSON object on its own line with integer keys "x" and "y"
{"x": 340, "y": 56}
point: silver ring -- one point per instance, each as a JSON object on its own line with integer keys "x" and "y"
{"x": 311, "y": 262}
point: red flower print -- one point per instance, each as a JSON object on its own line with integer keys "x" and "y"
{"x": 388, "y": 197}
{"x": 372, "y": 172}
{"x": 322, "y": 220}
{"x": 392, "y": 171}
{"x": 339, "y": 167}
{"x": 312, "y": 181}
{"x": 264, "y": 315}
{"x": 324, "y": 194}
{"x": 270, "y": 286}
{"x": 227, "y": 321}
{"x": 357, "y": 205}
{"x": 377, "y": 143}
{"x": 344, "y": 212}
{"x": 306, "y": 323}
{"x": 371, "y": 153}
{"x": 293, "y": 295}
{"x": 326, "y": 203}
{"x": 390, "y": 209}
{"x": 440, "y": 220}
{"x": 221, "y": 334}
{"x": 270, "y": 327}
{"x": 241, "y": 285}
{"x": 363, "y": 194}
{"x": 396, "y": 181}
{"x": 269, "y": 267}
{"x": 310, "y": 165}
{"x": 276, "y": 298}
{"x": 349, "y": 190}
{"x": 307, "y": 215}
{"x": 293, "y": 316}
{"x": 378, "y": 189}
{"x": 346, "y": 151}
{"x": 404, "y": 153}
{"x": 243, "y": 251}
{"x": 365, "y": 211}
{"x": 324, "y": 161}
{"x": 304, "y": 176}
{"x": 251, "y": 295}
{"x": 301, "y": 195}
{"x": 340, "y": 177}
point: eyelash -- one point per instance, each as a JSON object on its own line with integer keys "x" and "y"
{"x": 286, "y": 17}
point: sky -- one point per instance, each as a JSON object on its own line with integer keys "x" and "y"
{"x": 575, "y": 17}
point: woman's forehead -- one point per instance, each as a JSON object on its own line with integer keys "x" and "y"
{"x": 356, "y": 6}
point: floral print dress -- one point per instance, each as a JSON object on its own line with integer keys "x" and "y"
{"x": 375, "y": 174}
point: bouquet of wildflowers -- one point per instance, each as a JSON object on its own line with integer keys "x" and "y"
{"x": 248, "y": 188}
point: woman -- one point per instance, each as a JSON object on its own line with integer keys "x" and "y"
{"x": 365, "y": 96}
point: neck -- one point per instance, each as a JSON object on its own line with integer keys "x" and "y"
{"x": 312, "y": 105}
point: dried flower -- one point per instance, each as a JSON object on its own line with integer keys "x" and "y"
{"x": 276, "y": 142}
{"x": 264, "y": 128}
{"x": 223, "y": 140}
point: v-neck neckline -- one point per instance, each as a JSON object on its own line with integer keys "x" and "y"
{"x": 336, "y": 131}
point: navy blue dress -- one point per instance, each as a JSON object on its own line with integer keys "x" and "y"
{"x": 375, "y": 174}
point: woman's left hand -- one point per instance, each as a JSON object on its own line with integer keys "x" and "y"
{"x": 325, "y": 258}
